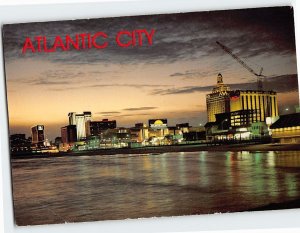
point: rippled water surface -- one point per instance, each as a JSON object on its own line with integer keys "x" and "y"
{"x": 91, "y": 188}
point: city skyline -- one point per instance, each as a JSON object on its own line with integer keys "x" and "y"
{"x": 28, "y": 133}
{"x": 170, "y": 79}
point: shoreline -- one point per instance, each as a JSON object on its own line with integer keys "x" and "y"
{"x": 168, "y": 149}
{"x": 293, "y": 204}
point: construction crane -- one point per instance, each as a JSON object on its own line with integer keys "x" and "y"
{"x": 258, "y": 75}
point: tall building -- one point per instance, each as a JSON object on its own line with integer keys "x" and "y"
{"x": 239, "y": 114}
{"x": 94, "y": 128}
{"x": 37, "y": 135}
{"x": 256, "y": 104}
{"x": 218, "y": 101}
{"x": 68, "y": 134}
{"x": 80, "y": 121}
{"x": 261, "y": 104}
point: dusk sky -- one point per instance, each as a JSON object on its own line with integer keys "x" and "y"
{"x": 168, "y": 79}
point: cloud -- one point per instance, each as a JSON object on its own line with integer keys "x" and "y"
{"x": 110, "y": 85}
{"x": 44, "y": 81}
{"x": 282, "y": 83}
{"x": 130, "y": 115}
{"x": 193, "y": 74}
{"x": 116, "y": 115}
{"x": 55, "y": 77}
{"x": 113, "y": 112}
{"x": 139, "y": 108}
{"x": 183, "y": 90}
{"x": 108, "y": 115}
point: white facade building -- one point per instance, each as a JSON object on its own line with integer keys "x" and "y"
{"x": 80, "y": 121}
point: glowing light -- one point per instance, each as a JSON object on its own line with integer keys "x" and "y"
{"x": 158, "y": 122}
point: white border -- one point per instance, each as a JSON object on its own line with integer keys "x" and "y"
{"x": 267, "y": 221}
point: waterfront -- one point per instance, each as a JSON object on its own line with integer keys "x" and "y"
{"x": 91, "y": 188}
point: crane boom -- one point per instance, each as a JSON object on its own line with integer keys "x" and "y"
{"x": 259, "y": 80}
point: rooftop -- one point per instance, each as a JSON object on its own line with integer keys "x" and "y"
{"x": 285, "y": 121}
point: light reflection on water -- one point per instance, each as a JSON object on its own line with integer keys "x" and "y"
{"x": 90, "y": 188}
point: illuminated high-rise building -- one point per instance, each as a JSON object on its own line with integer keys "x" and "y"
{"x": 80, "y": 121}
{"x": 218, "y": 101}
{"x": 260, "y": 104}
{"x": 37, "y": 134}
{"x": 238, "y": 114}
{"x": 255, "y": 105}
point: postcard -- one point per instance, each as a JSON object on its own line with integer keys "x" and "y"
{"x": 153, "y": 115}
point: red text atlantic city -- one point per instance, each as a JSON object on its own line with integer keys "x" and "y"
{"x": 98, "y": 40}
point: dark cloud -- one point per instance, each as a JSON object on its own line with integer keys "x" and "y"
{"x": 139, "y": 108}
{"x": 62, "y": 74}
{"x": 185, "y": 36}
{"x": 183, "y": 90}
{"x": 102, "y": 113}
{"x": 109, "y": 85}
{"x": 55, "y": 77}
{"x": 193, "y": 74}
{"x": 59, "y": 77}
{"x": 116, "y": 115}
{"x": 130, "y": 115}
{"x": 282, "y": 83}
{"x": 108, "y": 115}
{"x": 44, "y": 81}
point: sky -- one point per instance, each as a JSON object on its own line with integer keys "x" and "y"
{"x": 168, "y": 79}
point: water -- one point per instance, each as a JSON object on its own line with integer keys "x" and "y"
{"x": 92, "y": 188}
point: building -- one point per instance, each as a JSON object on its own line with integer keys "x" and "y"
{"x": 17, "y": 137}
{"x": 259, "y": 130}
{"x": 95, "y": 128}
{"x": 57, "y": 141}
{"x": 118, "y": 137}
{"x": 19, "y": 143}
{"x": 37, "y": 135}
{"x": 257, "y": 104}
{"x": 93, "y": 142}
{"x": 184, "y": 127}
{"x": 262, "y": 104}
{"x": 286, "y": 129}
{"x": 158, "y": 123}
{"x": 69, "y": 134}
{"x": 231, "y": 114}
{"x": 158, "y": 128}
{"x": 80, "y": 121}
{"x": 139, "y": 133}
{"x": 218, "y": 101}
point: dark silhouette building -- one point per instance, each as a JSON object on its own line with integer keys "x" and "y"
{"x": 38, "y": 135}
{"x": 286, "y": 129}
{"x": 95, "y": 128}
{"x": 19, "y": 143}
{"x": 69, "y": 134}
